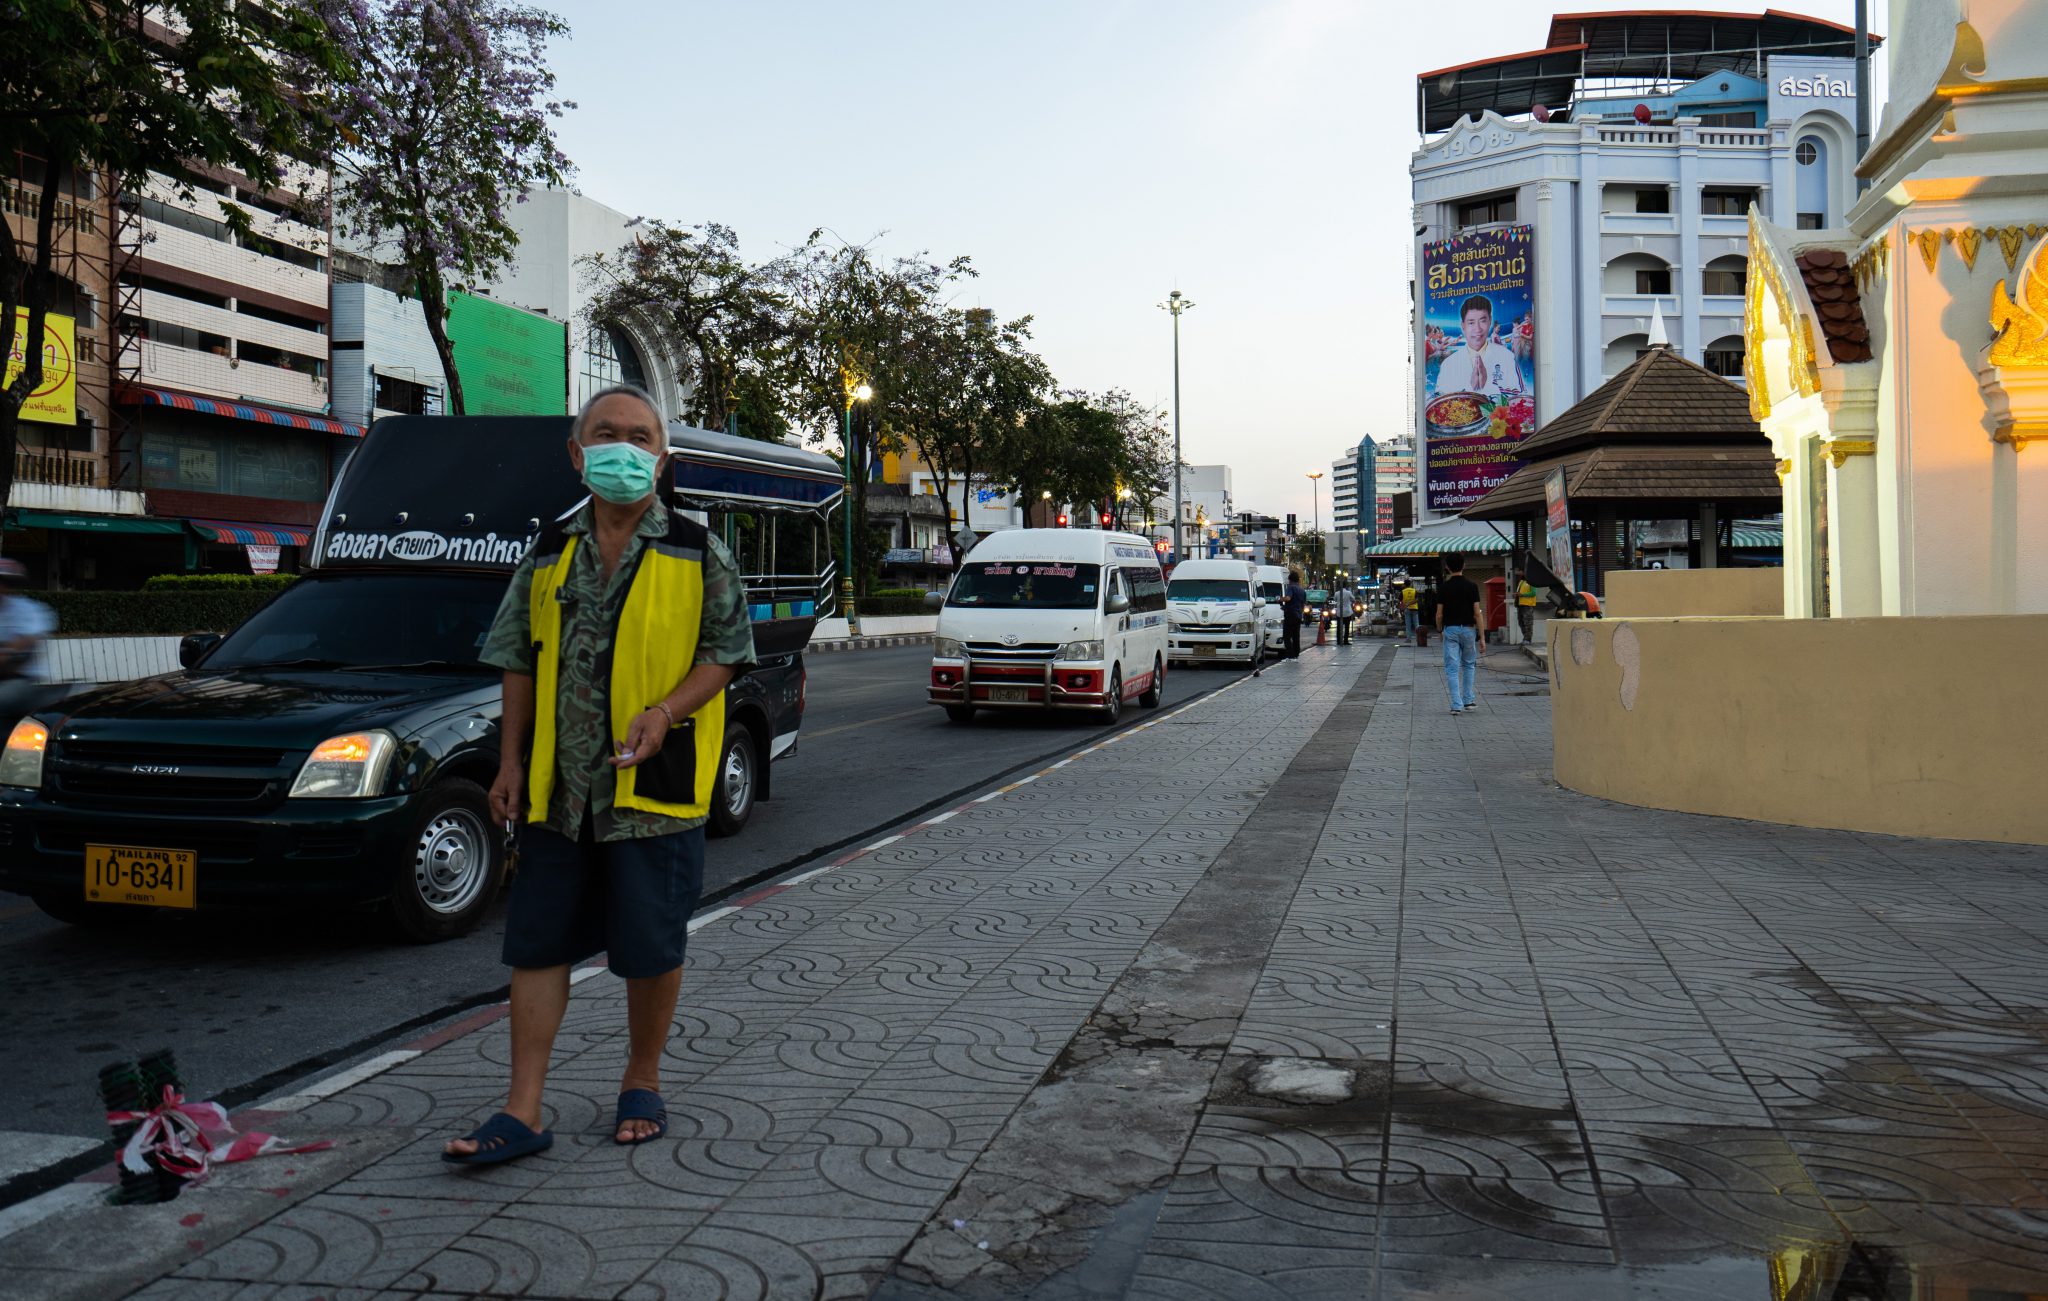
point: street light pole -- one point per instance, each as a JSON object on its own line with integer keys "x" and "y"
{"x": 1176, "y": 304}
{"x": 860, "y": 393}
{"x": 1315, "y": 487}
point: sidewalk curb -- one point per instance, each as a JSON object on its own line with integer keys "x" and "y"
{"x": 870, "y": 643}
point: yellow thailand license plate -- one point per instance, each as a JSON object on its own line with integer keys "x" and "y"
{"x": 159, "y": 878}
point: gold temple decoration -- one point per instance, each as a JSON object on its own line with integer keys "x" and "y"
{"x": 1805, "y": 373}
{"x": 1930, "y": 241}
{"x": 1873, "y": 263}
{"x": 1967, "y": 239}
{"x": 1839, "y": 450}
{"x": 1784, "y": 468}
{"x": 2020, "y": 319}
{"x": 2009, "y": 240}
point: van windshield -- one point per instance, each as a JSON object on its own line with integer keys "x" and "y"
{"x": 365, "y": 620}
{"x": 1208, "y": 589}
{"x": 1027, "y": 585}
{"x": 1273, "y": 591}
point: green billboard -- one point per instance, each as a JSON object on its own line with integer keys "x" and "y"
{"x": 512, "y": 363}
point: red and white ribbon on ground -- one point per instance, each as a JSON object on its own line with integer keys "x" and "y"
{"x": 190, "y": 1138}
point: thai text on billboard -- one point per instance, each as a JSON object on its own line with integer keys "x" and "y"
{"x": 1478, "y": 361}
{"x": 55, "y": 400}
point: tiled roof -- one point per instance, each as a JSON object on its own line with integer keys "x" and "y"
{"x": 1832, "y": 287}
{"x": 1640, "y": 476}
{"x": 1660, "y": 398}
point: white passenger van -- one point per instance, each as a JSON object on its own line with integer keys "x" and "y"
{"x": 1216, "y": 612}
{"x": 1273, "y": 591}
{"x": 1052, "y": 619}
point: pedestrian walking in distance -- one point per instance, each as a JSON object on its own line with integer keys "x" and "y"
{"x": 1292, "y": 611}
{"x": 1525, "y": 607}
{"x": 1461, "y": 619}
{"x": 618, "y": 635}
{"x": 1344, "y": 606}
{"x": 1411, "y": 612}
{"x": 1425, "y": 612}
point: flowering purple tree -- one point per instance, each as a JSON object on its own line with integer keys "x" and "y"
{"x": 448, "y": 120}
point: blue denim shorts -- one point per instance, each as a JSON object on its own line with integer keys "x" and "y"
{"x": 628, "y": 899}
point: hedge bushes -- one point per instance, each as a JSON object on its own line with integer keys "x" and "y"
{"x": 883, "y": 607}
{"x": 219, "y": 582}
{"x": 158, "y": 613}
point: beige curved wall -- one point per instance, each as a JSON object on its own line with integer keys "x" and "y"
{"x": 1914, "y": 727}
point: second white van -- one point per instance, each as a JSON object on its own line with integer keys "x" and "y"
{"x": 1052, "y": 619}
{"x": 1272, "y": 581}
{"x": 1216, "y": 613}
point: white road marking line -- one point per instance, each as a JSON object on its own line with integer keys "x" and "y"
{"x": 705, "y": 919}
{"x": 885, "y": 840}
{"x": 340, "y": 1080}
{"x": 1064, "y": 762}
{"x": 23, "y": 1150}
{"x": 949, "y": 813}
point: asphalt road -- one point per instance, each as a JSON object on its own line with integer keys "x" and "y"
{"x": 249, "y": 1006}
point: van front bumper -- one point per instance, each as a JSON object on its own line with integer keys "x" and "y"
{"x": 331, "y": 852}
{"x": 1192, "y": 645}
{"x": 1047, "y": 684}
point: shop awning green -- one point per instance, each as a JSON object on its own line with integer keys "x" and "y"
{"x": 1471, "y": 544}
{"x": 50, "y": 519}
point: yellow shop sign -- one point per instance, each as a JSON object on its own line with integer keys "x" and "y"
{"x": 55, "y": 401}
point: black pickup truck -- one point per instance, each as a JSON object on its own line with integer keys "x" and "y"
{"x": 335, "y": 749}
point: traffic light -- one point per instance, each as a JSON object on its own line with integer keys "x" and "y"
{"x": 1062, "y": 521}
{"x": 1107, "y": 519}
{"x": 1290, "y": 526}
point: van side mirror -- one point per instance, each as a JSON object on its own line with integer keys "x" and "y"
{"x": 1258, "y": 603}
{"x": 934, "y": 600}
{"x": 1116, "y": 603}
{"x": 196, "y": 646}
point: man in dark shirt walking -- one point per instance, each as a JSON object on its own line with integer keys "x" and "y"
{"x": 1461, "y": 619}
{"x": 1291, "y": 612}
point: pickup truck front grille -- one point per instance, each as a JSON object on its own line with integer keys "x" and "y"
{"x": 137, "y": 774}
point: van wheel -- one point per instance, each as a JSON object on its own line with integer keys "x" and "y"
{"x": 1113, "y": 706}
{"x": 732, "y": 799}
{"x": 1150, "y": 699}
{"x": 450, "y": 867}
{"x": 960, "y": 713}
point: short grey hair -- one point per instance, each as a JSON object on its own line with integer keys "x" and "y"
{"x": 615, "y": 391}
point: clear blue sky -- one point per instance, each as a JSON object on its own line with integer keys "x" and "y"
{"x": 1089, "y": 156}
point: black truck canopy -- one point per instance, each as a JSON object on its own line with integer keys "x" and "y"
{"x": 470, "y": 492}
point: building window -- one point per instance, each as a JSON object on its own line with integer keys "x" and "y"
{"x": 1726, "y": 203}
{"x": 404, "y": 396}
{"x": 182, "y": 336}
{"x": 283, "y": 252}
{"x": 1807, "y": 153}
{"x": 262, "y": 354}
{"x": 1653, "y": 201}
{"x": 275, "y": 463}
{"x": 1725, "y": 120}
{"x": 247, "y": 308}
{"x": 609, "y": 358}
{"x": 1724, "y": 358}
{"x": 1489, "y": 211}
{"x": 1656, "y": 281}
{"x": 1727, "y": 277}
{"x": 177, "y": 218}
{"x": 165, "y": 287}
{"x": 1812, "y": 220}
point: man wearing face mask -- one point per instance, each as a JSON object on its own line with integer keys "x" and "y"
{"x": 619, "y": 633}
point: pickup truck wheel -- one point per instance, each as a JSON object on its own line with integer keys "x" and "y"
{"x": 732, "y": 798}
{"x": 960, "y": 713}
{"x": 1150, "y": 699}
{"x": 450, "y": 868}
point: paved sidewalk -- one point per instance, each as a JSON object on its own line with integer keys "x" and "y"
{"x": 1310, "y": 990}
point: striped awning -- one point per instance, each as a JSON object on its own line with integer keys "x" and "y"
{"x": 163, "y": 397}
{"x": 1471, "y": 544}
{"x": 260, "y": 535}
{"x": 1750, "y": 538}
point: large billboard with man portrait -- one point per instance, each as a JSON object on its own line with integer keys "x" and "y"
{"x": 1478, "y": 391}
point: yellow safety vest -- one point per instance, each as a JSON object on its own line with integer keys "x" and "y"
{"x": 1524, "y": 593}
{"x": 654, "y": 645}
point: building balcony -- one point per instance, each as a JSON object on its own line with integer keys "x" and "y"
{"x": 1721, "y": 305}
{"x": 1639, "y": 223}
{"x": 233, "y": 264}
{"x": 214, "y": 376}
{"x": 205, "y": 203}
{"x": 1725, "y": 137}
{"x": 76, "y": 498}
{"x": 70, "y": 469}
{"x": 1715, "y": 225}
{"x": 173, "y": 310}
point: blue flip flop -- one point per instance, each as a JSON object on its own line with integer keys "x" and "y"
{"x": 502, "y": 1138}
{"x": 640, "y": 1104}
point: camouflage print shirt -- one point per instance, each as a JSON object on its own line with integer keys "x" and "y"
{"x": 583, "y": 736}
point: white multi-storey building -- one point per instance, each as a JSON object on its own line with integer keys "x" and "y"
{"x": 1633, "y": 146}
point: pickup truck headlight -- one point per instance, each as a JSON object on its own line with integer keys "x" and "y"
{"x": 349, "y": 767}
{"x": 1246, "y": 626}
{"x": 948, "y": 648}
{"x": 1081, "y": 650}
{"x": 21, "y": 763}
